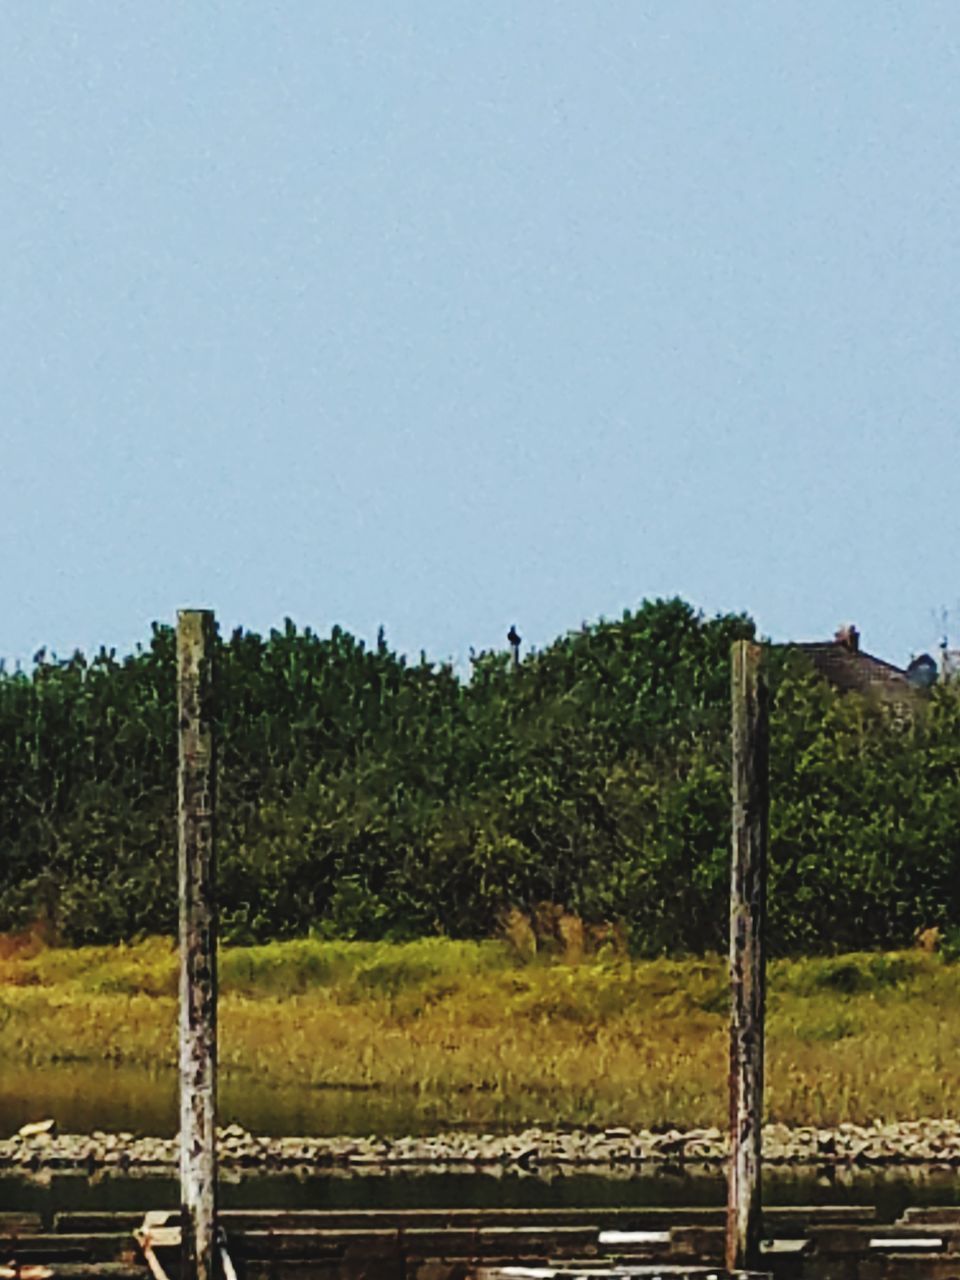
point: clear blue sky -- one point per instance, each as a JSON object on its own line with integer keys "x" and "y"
{"x": 448, "y": 315}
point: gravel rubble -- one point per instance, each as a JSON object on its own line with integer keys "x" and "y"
{"x": 918, "y": 1142}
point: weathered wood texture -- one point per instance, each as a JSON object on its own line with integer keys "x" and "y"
{"x": 800, "y": 1243}
{"x": 750, "y": 794}
{"x": 198, "y": 943}
{"x": 787, "y": 1218}
{"x": 660, "y": 1271}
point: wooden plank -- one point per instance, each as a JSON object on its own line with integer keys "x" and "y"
{"x": 674, "y": 1271}
{"x": 750, "y": 796}
{"x": 226, "y": 1262}
{"x": 420, "y": 1242}
{"x": 939, "y": 1213}
{"x": 52, "y": 1246}
{"x": 410, "y": 1219}
{"x": 638, "y": 1218}
{"x": 828, "y": 1246}
{"x": 154, "y": 1264}
{"x": 95, "y": 1221}
{"x": 856, "y": 1238}
{"x": 794, "y": 1214}
{"x": 641, "y": 1215}
{"x": 902, "y": 1266}
{"x": 196, "y": 639}
{"x": 308, "y": 1244}
{"x": 913, "y": 1243}
{"x": 633, "y": 1238}
{"x": 524, "y": 1241}
{"x": 700, "y": 1244}
{"x": 785, "y": 1247}
{"x": 14, "y": 1223}
{"x": 99, "y": 1271}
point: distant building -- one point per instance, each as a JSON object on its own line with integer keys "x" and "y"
{"x": 848, "y": 668}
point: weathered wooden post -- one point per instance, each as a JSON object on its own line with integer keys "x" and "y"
{"x": 196, "y": 632}
{"x": 750, "y": 743}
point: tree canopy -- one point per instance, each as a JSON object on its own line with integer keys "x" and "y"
{"x": 362, "y": 795}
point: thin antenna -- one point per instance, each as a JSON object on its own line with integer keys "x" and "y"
{"x": 941, "y": 618}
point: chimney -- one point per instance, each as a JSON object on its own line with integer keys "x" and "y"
{"x": 849, "y": 637}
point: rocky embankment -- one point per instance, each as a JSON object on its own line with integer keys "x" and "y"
{"x": 936, "y": 1142}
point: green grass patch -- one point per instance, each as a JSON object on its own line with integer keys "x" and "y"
{"x": 854, "y": 974}
{"x": 466, "y": 1033}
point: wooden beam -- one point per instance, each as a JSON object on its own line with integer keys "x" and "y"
{"x": 750, "y": 794}
{"x": 196, "y": 637}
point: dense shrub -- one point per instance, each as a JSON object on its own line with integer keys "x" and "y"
{"x": 362, "y": 796}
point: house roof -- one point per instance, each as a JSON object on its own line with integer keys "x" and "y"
{"x": 844, "y": 664}
{"x": 853, "y": 671}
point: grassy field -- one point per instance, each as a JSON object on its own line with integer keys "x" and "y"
{"x": 468, "y": 1034}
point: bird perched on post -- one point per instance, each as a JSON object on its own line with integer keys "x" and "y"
{"x": 514, "y": 645}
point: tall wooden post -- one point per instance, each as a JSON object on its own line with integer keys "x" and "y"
{"x": 750, "y": 742}
{"x": 196, "y": 632}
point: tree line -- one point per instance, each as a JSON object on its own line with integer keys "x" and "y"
{"x": 362, "y": 795}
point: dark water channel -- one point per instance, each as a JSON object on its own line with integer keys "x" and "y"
{"x": 82, "y": 1097}
{"x": 891, "y": 1191}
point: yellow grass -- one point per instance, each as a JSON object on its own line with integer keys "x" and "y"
{"x": 466, "y": 1033}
